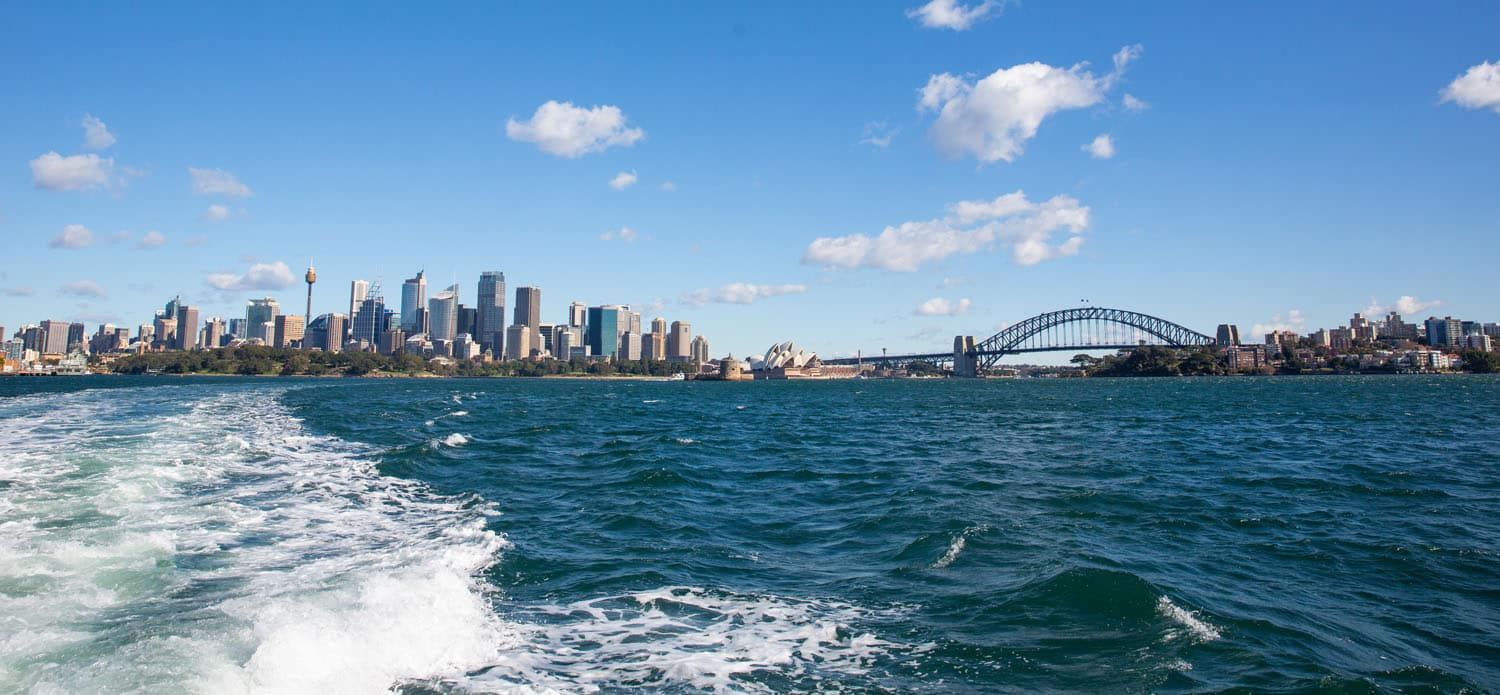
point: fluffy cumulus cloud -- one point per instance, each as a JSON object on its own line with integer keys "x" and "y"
{"x": 1405, "y": 304}
{"x": 96, "y": 135}
{"x": 951, "y": 14}
{"x": 153, "y": 239}
{"x": 1478, "y": 88}
{"x": 79, "y": 172}
{"x": 84, "y": 288}
{"x": 993, "y": 118}
{"x": 260, "y": 276}
{"x": 739, "y": 293}
{"x": 1132, "y": 103}
{"x": 565, "y": 130}
{"x": 1012, "y": 221}
{"x": 73, "y": 236}
{"x": 623, "y": 180}
{"x": 624, "y": 234}
{"x": 216, "y": 213}
{"x": 217, "y": 182}
{"x": 941, "y": 306}
{"x": 1293, "y": 321}
{"x": 1102, "y": 147}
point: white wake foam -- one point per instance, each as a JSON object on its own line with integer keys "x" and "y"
{"x": 1199, "y": 629}
{"x": 177, "y": 538}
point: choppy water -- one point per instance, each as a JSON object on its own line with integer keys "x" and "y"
{"x": 164, "y": 535}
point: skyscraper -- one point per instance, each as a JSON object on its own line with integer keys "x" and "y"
{"x": 54, "y": 338}
{"x": 529, "y": 313}
{"x": 442, "y": 314}
{"x": 516, "y": 341}
{"x": 413, "y": 297}
{"x": 333, "y": 334}
{"x": 369, "y": 317}
{"x": 258, "y": 313}
{"x": 489, "y": 322}
{"x": 678, "y": 341}
{"x": 75, "y": 337}
{"x": 468, "y": 317}
{"x": 289, "y": 330}
{"x": 187, "y": 327}
{"x": 357, "y": 290}
{"x": 577, "y": 314}
{"x": 699, "y": 350}
{"x": 603, "y": 337}
{"x": 213, "y": 333}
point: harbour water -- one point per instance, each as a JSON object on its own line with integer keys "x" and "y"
{"x": 218, "y": 535}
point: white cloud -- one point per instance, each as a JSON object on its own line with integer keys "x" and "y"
{"x": 941, "y": 306}
{"x": 84, "y": 288}
{"x": 624, "y": 234}
{"x": 73, "y": 236}
{"x": 1405, "y": 304}
{"x": 216, "y": 213}
{"x": 217, "y": 182}
{"x": 566, "y": 130}
{"x": 260, "y": 276}
{"x": 1102, "y": 147}
{"x": 623, "y": 180}
{"x": 949, "y": 14}
{"x": 739, "y": 293}
{"x": 878, "y": 134}
{"x": 668, "y": 186}
{"x": 96, "y": 135}
{"x": 153, "y": 239}
{"x": 970, "y": 227}
{"x": 1133, "y": 104}
{"x": 1478, "y": 88}
{"x": 1293, "y": 322}
{"x": 994, "y": 117}
{"x": 76, "y": 172}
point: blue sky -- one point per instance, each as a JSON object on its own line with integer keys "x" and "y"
{"x": 1283, "y": 157}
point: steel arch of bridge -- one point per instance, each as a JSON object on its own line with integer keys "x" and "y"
{"x": 1014, "y": 339}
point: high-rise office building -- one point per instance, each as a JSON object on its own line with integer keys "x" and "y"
{"x": 1443, "y": 332}
{"x": 289, "y": 330}
{"x": 369, "y": 317}
{"x": 213, "y": 333}
{"x": 529, "y": 313}
{"x": 357, "y": 290}
{"x": 163, "y": 333}
{"x": 653, "y": 346}
{"x": 413, "y": 297}
{"x": 54, "y": 338}
{"x": 187, "y": 327}
{"x": 517, "y": 342}
{"x": 75, "y": 337}
{"x": 442, "y": 314}
{"x": 630, "y": 346}
{"x": 564, "y": 339}
{"x": 679, "y": 341}
{"x": 489, "y": 321}
{"x": 603, "y": 337}
{"x": 237, "y": 328}
{"x": 699, "y": 351}
{"x": 467, "y": 318}
{"x": 258, "y": 313}
{"x": 391, "y": 341}
{"x": 577, "y": 314}
{"x": 659, "y": 327}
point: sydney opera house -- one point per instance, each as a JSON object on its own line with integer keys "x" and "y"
{"x": 787, "y": 361}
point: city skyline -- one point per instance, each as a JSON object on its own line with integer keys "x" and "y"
{"x": 1206, "y": 175}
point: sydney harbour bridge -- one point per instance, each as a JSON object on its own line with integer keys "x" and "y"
{"x": 1078, "y": 330}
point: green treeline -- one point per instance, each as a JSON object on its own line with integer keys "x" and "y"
{"x": 254, "y": 360}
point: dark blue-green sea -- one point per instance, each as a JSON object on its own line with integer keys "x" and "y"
{"x": 219, "y": 535}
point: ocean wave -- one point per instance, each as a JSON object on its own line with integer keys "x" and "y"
{"x": 454, "y": 439}
{"x": 1199, "y": 629}
{"x": 688, "y": 637}
{"x": 217, "y": 546}
{"x": 956, "y": 546}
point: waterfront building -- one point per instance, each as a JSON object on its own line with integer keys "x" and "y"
{"x": 1360, "y": 329}
{"x": 653, "y": 346}
{"x": 53, "y": 338}
{"x": 1394, "y": 329}
{"x": 1443, "y": 332}
{"x": 1245, "y": 357}
{"x": 391, "y": 340}
{"x": 1478, "y": 341}
{"x": 75, "y": 337}
{"x": 1321, "y": 338}
{"x": 679, "y": 341}
{"x": 163, "y": 333}
{"x": 1228, "y": 334}
{"x": 413, "y": 298}
{"x": 442, "y": 314}
{"x": 518, "y": 342}
{"x": 698, "y": 352}
{"x": 489, "y": 321}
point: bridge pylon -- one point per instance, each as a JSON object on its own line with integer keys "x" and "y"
{"x": 965, "y": 361}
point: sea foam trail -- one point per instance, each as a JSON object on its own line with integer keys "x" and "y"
{"x": 190, "y": 538}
